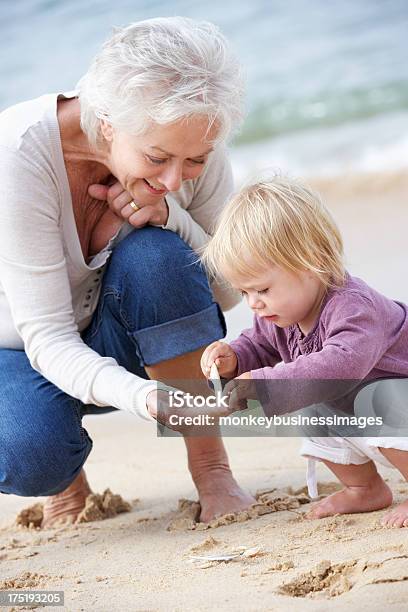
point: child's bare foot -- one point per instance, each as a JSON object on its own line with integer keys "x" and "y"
{"x": 351, "y": 499}
{"x": 65, "y": 506}
{"x": 397, "y": 517}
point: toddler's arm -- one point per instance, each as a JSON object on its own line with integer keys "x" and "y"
{"x": 254, "y": 350}
{"x": 353, "y": 345}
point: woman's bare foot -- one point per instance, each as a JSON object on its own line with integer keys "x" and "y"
{"x": 220, "y": 494}
{"x": 218, "y": 491}
{"x": 65, "y": 506}
{"x": 351, "y": 499}
{"x": 397, "y": 517}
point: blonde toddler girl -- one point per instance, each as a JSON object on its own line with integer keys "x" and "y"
{"x": 278, "y": 245}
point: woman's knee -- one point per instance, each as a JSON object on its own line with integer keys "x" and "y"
{"x": 155, "y": 302}
{"x": 158, "y": 270}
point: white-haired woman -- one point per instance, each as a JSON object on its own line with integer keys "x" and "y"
{"x": 91, "y": 311}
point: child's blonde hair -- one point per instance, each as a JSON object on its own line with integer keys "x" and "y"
{"x": 277, "y": 221}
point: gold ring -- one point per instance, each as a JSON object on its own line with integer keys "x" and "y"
{"x": 134, "y": 206}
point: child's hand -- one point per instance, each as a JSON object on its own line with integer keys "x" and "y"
{"x": 224, "y": 358}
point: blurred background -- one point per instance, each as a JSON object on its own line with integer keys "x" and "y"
{"x": 327, "y": 98}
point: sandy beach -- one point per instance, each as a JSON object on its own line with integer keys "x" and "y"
{"x": 132, "y": 562}
{"x": 327, "y": 100}
{"x": 282, "y": 561}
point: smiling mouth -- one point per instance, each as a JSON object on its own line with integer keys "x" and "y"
{"x": 153, "y": 189}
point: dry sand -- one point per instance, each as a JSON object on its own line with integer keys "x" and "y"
{"x": 281, "y": 562}
{"x": 132, "y": 562}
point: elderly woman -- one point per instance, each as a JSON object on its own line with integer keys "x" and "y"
{"x": 106, "y": 193}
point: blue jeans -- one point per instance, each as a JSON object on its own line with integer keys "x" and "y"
{"x": 155, "y": 304}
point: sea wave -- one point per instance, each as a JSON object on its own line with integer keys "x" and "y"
{"x": 329, "y": 108}
{"x": 376, "y": 144}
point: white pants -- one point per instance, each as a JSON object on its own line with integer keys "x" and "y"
{"x": 386, "y": 398}
{"x": 346, "y": 451}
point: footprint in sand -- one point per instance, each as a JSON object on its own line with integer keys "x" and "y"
{"x": 333, "y": 579}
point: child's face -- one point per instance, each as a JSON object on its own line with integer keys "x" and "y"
{"x": 281, "y": 296}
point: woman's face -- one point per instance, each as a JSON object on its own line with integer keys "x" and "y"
{"x": 150, "y": 165}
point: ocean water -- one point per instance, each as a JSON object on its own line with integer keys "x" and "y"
{"x": 327, "y": 81}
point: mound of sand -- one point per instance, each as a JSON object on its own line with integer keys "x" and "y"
{"x": 97, "y": 508}
{"x": 27, "y": 580}
{"x": 270, "y": 500}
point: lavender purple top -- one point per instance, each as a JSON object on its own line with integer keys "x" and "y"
{"x": 360, "y": 334}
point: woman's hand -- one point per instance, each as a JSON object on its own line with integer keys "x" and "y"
{"x": 224, "y": 358}
{"x": 119, "y": 200}
{"x": 181, "y": 419}
{"x": 239, "y": 391}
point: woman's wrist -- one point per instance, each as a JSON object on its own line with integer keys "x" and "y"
{"x": 164, "y": 213}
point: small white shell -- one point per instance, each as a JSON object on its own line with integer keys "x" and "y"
{"x": 216, "y": 380}
{"x": 211, "y": 558}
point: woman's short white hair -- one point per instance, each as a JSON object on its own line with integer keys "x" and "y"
{"x": 160, "y": 71}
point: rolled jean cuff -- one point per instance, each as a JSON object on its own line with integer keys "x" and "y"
{"x": 180, "y": 336}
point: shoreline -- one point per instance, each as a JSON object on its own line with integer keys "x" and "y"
{"x": 372, "y": 145}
